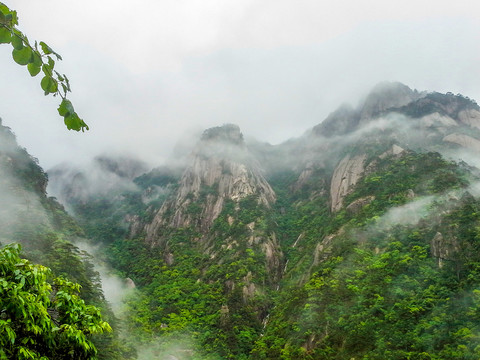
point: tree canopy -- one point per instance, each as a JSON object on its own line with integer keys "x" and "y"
{"x": 43, "y": 317}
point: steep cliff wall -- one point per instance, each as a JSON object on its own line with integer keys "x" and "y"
{"x": 221, "y": 169}
{"x": 345, "y": 176}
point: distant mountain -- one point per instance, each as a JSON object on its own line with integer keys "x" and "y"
{"x": 357, "y": 240}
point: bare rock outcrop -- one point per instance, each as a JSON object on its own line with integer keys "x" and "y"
{"x": 437, "y": 119}
{"x": 463, "y": 140}
{"x": 305, "y": 175}
{"x": 323, "y": 249}
{"x": 384, "y": 96}
{"x": 345, "y": 176}
{"x": 221, "y": 169}
{"x": 355, "y": 206}
{"x": 443, "y": 248}
{"x": 394, "y": 150}
{"x": 470, "y": 117}
{"x": 274, "y": 258}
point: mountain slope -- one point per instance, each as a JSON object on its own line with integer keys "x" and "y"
{"x": 357, "y": 240}
{"x": 47, "y": 233}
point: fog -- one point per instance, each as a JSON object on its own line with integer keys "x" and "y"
{"x": 100, "y": 176}
{"x": 115, "y": 288}
{"x": 21, "y": 212}
{"x": 142, "y": 76}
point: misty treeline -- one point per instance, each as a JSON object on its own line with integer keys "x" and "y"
{"x": 50, "y": 310}
{"x": 358, "y": 240}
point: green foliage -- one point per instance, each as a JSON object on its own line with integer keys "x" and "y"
{"x": 39, "y": 58}
{"x": 396, "y": 177}
{"x": 374, "y": 292}
{"x": 387, "y": 297}
{"x": 42, "y": 317}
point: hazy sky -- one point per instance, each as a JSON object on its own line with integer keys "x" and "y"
{"x": 145, "y": 72}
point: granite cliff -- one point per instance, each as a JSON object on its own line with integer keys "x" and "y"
{"x": 220, "y": 169}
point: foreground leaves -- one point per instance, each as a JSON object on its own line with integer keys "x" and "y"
{"x": 37, "y": 59}
{"x": 43, "y": 320}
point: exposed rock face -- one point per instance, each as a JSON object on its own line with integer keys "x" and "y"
{"x": 323, "y": 248}
{"x": 410, "y": 194}
{"x": 345, "y": 176}
{"x": 394, "y": 150}
{"x": 442, "y": 248}
{"x": 274, "y": 258}
{"x": 464, "y": 141}
{"x": 355, "y": 206}
{"x": 305, "y": 175}
{"x": 385, "y": 96}
{"x": 437, "y": 119}
{"x": 470, "y": 117}
{"x": 221, "y": 169}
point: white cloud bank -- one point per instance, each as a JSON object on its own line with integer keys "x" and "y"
{"x": 145, "y": 72}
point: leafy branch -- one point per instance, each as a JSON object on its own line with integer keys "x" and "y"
{"x": 39, "y": 58}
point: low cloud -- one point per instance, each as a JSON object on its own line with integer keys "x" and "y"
{"x": 408, "y": 214}
{"x": 115, "y": 288}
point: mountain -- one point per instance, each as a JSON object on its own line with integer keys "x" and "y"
{"x": 357, "y": 240}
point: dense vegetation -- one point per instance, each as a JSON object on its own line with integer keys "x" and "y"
{"x": 384, "y": 291}
{"x": 43, "y": 318}
{"x": 393, "y": 273}
{"x": 380, "y": 288}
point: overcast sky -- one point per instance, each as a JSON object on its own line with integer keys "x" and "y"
{"x": 145, "y": 72}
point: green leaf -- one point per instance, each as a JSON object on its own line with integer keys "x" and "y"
{"x": 65, "y": 108}
{"x": 73, "y": 122}
{"x": 12, "y": 17}
{"x": 59, "y": 76}
{"x": 4, "y": 9}
{"x": 67, "y": 82}
{"x": 5, "y": 36}
{"x": 48, "y": 68}
{"x": 51, "y": 63}
{"x": 33, "y": 69}
{"x": 37, "y": 59}
{"x": 17, "y": 41}
{"x": 8, "y": 16}
{"x": 23, "y": 56}
{"x": 45, "y": 48}
{"x": 49, "y": 85}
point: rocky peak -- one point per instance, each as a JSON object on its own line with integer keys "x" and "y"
{"x": 227, "y": 133}
{"x": 384, "y": 96}
{"x": 220, "y": 169}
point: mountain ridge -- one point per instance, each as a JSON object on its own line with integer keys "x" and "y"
{"x": 315, "y": 248}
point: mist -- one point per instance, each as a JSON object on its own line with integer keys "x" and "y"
{"x": 115, "y": 288}
{"x": 275, "y": 69}
{"x": 102, "y": 175}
